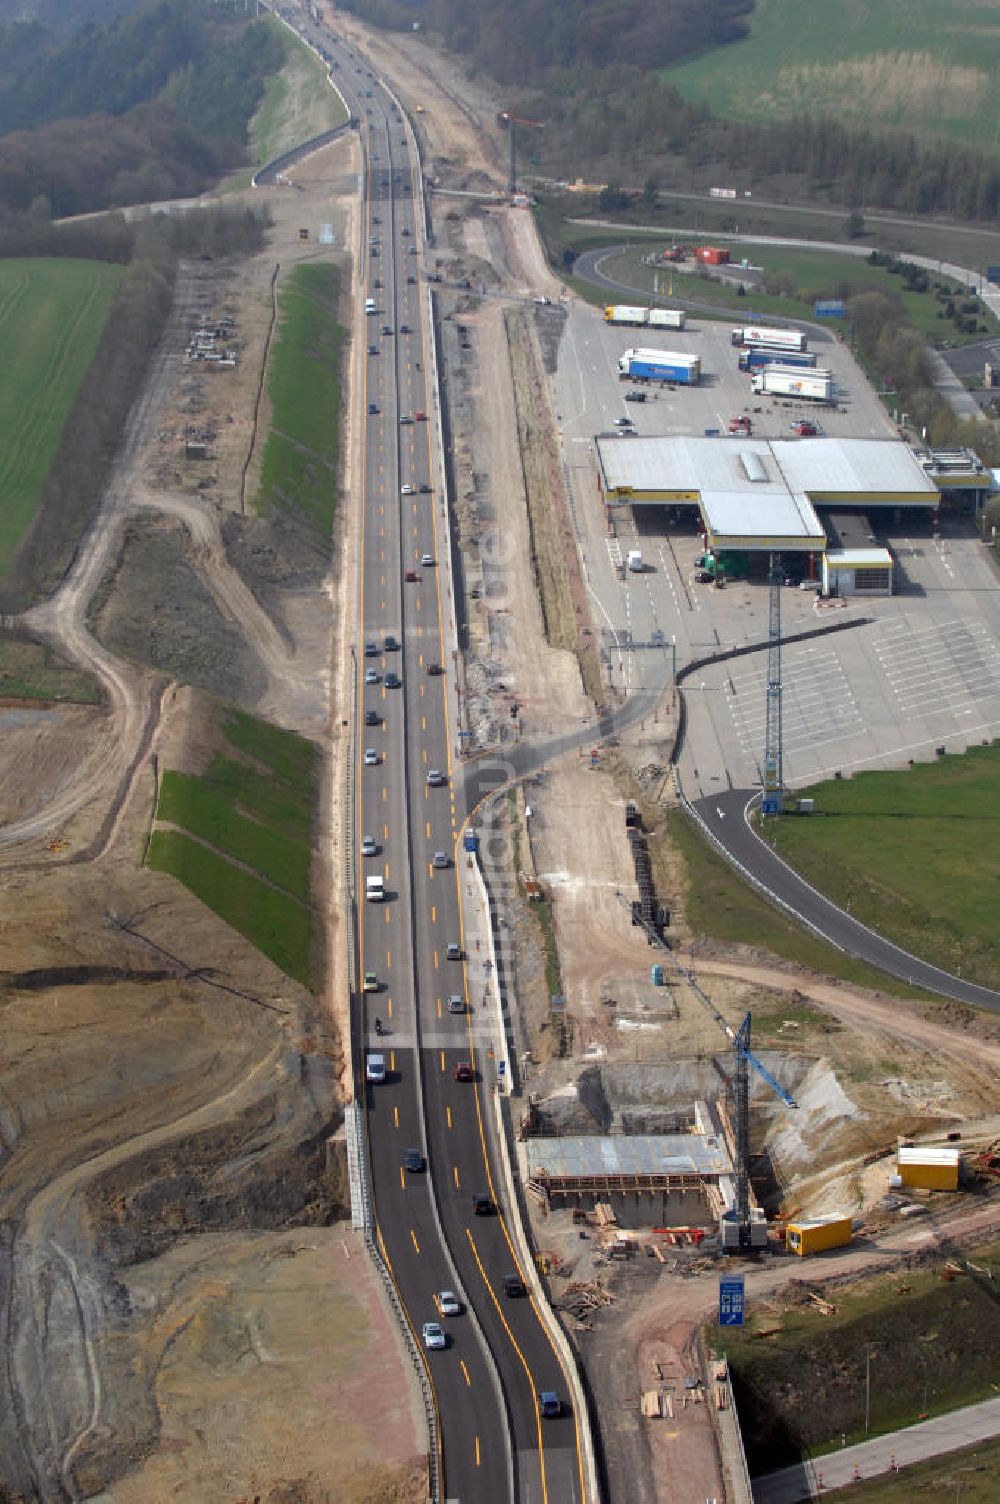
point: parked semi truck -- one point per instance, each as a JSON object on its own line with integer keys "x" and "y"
{"x": 754, "y": 337}
{"x": 789, "y": 381}
{"x": 660, "y": 365}
{"x": 756, "y": 359}
{"x": 654, "y": 318}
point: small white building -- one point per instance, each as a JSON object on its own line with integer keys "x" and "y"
{"x": 857, "y": 571}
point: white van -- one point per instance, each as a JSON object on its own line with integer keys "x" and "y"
{"x": 375, "y": 889}
{"x": 375, "y": 1069}
{"x": 369, "y": 305}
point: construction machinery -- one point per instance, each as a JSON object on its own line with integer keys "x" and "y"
{"x": 512, "y": 122}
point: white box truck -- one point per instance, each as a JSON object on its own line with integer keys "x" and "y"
{"x": 755, "y": 337}
{"x": 635, "y": 560}
{"x": 792, "y": 381}
{"x": 655, "y": 318}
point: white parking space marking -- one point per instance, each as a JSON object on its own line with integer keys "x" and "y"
{"x": 818, "y": 706}
{"x": 946, "y": 668}
{"x": 614, "y": 552}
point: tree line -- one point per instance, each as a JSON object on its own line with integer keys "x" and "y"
{"x": 628, "y": 126}
{"x": 134, "y": 325}
{"x": 156, "y": 106}
{"x": 520, "y": 41}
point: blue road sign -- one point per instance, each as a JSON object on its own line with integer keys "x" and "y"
{"x": 832, "y": 308}
{"x": 731, "y": 1301}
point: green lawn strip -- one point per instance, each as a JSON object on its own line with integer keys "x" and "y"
{"x": 290, "y": 757}
{"x": 274, "y": 922}
{"x": 933, "y": 1345}
{"x": 52, "y": 313}
{"x": 202, "y": 810}
{"x": 721, "y": 906}
{"x": 967, "y": 1476}
{"x": 262, "y": 797}
{"x": 303, "y": 383}
{"x": 914, "y": 854}
{"x": 922, "y": 67}
{"x": 31, "y": 671}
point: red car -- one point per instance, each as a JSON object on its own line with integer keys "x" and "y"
{"x": 420, "y": 417}
{"x": 805, "y": 429}
{"x": 410, "y": 576}
{"x": 463, "y": 1071}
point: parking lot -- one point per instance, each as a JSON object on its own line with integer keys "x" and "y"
{"x": 922, "y": 672}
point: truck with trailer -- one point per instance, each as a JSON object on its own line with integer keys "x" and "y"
{"x": 660, "y": 365}
{"x": 756, "y": 337}
{"x": 654, "y": 318}
{"x": 789, "y": 381}
{"x": 757, "y": 358}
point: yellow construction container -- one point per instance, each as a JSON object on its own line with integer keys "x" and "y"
{"x": 817, "y": 1235}
{"x": 928, "y": 1167}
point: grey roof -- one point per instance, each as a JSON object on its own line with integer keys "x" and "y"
{"x": 628, "y": 1154}
{"x": 851, "y": 469}
{"x": 866, "y": 468}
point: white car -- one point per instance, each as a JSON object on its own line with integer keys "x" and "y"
{"x": 368, "y": 846}
{"x": 371, "y": 757}
{"x": 427, "y": 560}
{"x": 406, "y": 490}
{"x": 439, "y": 859}
{"x": 371, "y": 675}
{"x": 434, "y": 1335}
{"x": 435, "y": 778}
{"x": 375, "y": 1069}
{"x": 449, "y": 1304}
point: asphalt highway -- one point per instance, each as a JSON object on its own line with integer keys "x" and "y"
{"x": 499, "y": 1358}
{"x": 726, "y": 816}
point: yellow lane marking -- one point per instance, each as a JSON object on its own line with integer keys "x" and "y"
{"x": 477, "y": 1451}
{"x": 448, "y": 1114}
{"x": 395, "y": 1117}
{"x": 414, "y": 1237}
{"x": 465, "y": 1372}
{"x": 454, "y": 1171}
{"x": 439, "y": 1007}
{"x": 402, "y": 1179}
{"x": 442, "y": 1060}
{"x": 520, "y": 1354}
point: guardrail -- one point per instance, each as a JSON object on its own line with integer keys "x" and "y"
{"x": 516, "y": 1221}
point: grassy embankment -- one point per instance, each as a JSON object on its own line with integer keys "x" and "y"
{"x": 922, "y": 67}
{"x": 801, "y": 1387}
{"x": 298, "y": 104}
{"x": 720, "y": 906}
{"x": 51, "y": 316}
{"x": 299, "y": 466}
{"x": 244, "y": 842}
{"x": 915, "y": 854}
{"x": 967, "y": 1476}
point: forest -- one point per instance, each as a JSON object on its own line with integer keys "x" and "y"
{"x": 520, "y": 41}
{"x": 155, "y": 105}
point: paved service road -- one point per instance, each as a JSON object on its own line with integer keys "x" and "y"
{"x": 726, "y": 818}
{"x": 874, "y": 1459}
{"x": 496, "y": 1446}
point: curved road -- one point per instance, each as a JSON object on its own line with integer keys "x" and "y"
{"x": 726, "y": 818}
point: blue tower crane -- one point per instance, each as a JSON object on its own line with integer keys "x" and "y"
{"x": 743, "y": 1058}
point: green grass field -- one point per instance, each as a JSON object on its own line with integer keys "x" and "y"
{"x": 249, "y": 811}
{"x": 914, "y": 854}
{"x": 913, "y": 64}
{"x": 298, "y": 471}
{"x": 721, "y": 906}
{"x": 933, "y": 1343}
{"x": 52, "y": 313}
